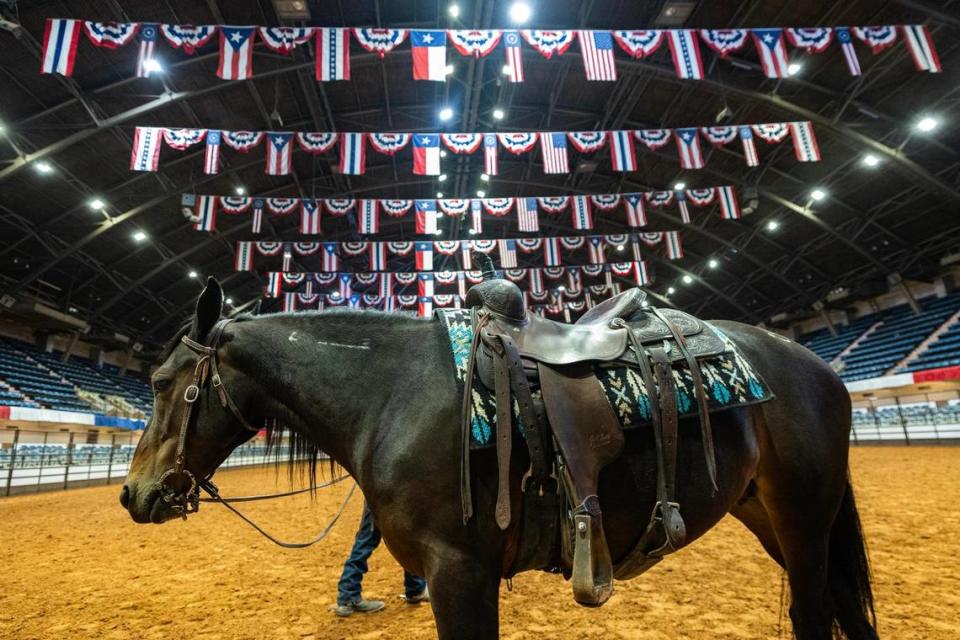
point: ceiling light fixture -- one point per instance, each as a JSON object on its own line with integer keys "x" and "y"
{"x": 152, "y": 65}
{"x": 498, "y": 114}
{"x": 926, "y": 124}
{"x": 485, "y": 177}
{"x": 43, "y": 167}
{"x": 240, "y": 191}
{"x": 193, "y": 274}
{"x": 454, "y": 10}
{"x": 506, "y": 70}
{"x": 96, "y": 204}
{"x": 439, "y": 194}
{"x": 671, "y": 291}
{"x": 446, "y": 113}
{"x": 520, "y": 12}
{"x": 680, "y": 186}
{"x": 794, "y": 68}
{"x": 481, "y": 193}
{"x": 441, "y": 177}
{"x": 713, "y": 263}
{"x": 687, "y": 279}
{"x": 871, "y": 160}
{"x": 773, "y": 225}
{"x": 817, "y": 195}
{"x": 139, "y": 236}
{"x": 449, "y": 69}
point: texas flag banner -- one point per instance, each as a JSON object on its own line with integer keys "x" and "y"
{"x": 685, "y": 51}
{"x": 921, "y": 48}
{"x": 206, "y": 213}
{"x": 244, "y": 258}
{"x": 211, "y": 156}
{"x": 424, "y": 307}
{"x": 353, "y": 153}
{"x": 429, "y": 50}
{"x": 749, "y": 146}
{"x": 490, "y": 165}
{"x": 527, "y": 215}
{"x": 582, "y": 216}
{"x": 514, "y": 67}
{"x": 596, "y": 49}
{"x": 508, "y": 253}
{"x": 804, "y": 142}
{"x": 369, "y": 219}
{"x": 426, "y": 154}
{"x": 426, "y": 217}
{"x": 146, "y": 148}
{"x": 636, "y": 213}
{"x": 309, "y": 217}
{"x": 330, "y": 260}
{"x": 423, "y": 256}
{"x": 622, "y": 154}
{"x": 60, "y": 38}
{"x": 333, "y": 54}
{"x": 148, "y": 42}
{"x": 772, "y": 51}
{"x": 688, "y": 145}
{"x": 554, "y": 148}
{"x": 425, "y": 285}
{"x": 236, "y": 53}
{"x": 279, "y": 150}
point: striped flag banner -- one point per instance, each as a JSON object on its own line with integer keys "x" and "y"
{"x": 369, "y": 219}
{"x": 330, "y": 260}
{"x": 553, "y": 145}
{"x": 849, "y": 53}
{"x": 551, "y": 252}
{"x": 146, "y": 148}
{"x": 386, "y": 284}
{"x": 148, "y": 42}
{"x": 921, "y": 48}
{"x": 729, "y": 205}
{"x": 683, "y": 206}
{"x": 279, "y": 152}
{"x": 244, "y": 258}
{"x": 640, "y": 273}
{"x": 514, "y": 67}
{"x": 289, "y": 302}
{"x": 352, "y": 153}
{"x": 309, "y": 217}
{"x": 595, "y": 250}
{"x": 287, "y": 260}
{"x": 685, "y": 51}
{"x": 257, "y": 220}
{"x": 273, "y": 284}
{"x": 623, "y": 157}
{"x": 490, "y": 164}
{"x": 772, "y": 51}
{"x": 378, "y": 256}
{"x": 636, "y": 212}
{"x": 674, "y": 248}
{"x": 476, "y": 216}
{"x": 582, "y": 216}
{"x": 804, "y": 141}
{"x": 749, "y": 146}
{"x": 211, "y": 155}
{"x": 527, "y": 215}
{"x": 60, "y": 38}
{"x": 236, "y": 53}
{"x": 206, "y": 213}
{"x": 536, "y": 280}
{"x": 596, "y": 49}
{"x": 688, "y": 146}
{"x": 333, "y": 54}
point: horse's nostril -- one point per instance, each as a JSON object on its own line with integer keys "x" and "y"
{"x": 125, "y": 496}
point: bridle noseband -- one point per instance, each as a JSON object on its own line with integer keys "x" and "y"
{"x": 206, "y": 370}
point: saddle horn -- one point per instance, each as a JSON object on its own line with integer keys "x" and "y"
{"x": 486, "y": 265}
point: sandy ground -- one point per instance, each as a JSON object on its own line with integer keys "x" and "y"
{"x": 73, "y": 565}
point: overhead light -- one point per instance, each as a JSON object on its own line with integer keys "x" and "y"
{"x": 443, "y": 154}
{"x": 229, "y": 300}
{"x": 43, "y": 167}
{"x": 687, "y": 279}
{"x": 442, "y": 177}
{"x": 498, "y": 114}
{"x": 485, "y": 177}
{"x": 3, "y": 128}
{"x": 472, "y": 231}
{"x": 871, "y": 160}
{"x": 240, "y": 191}
{"x": 192, "y": 274}
{"x": 818, "y": 195}
{"x": 794, "y": 68}
{"x": 139, "y": 236}
{"x": 481, "y": 193}
{"x": 152, "y": 65}
{"x": 439, "y": 194}
{"x": 446, "y": 113}
{"x": 680, "y": 186}
{"x": 713, "y": 263}
{"x": 520, "y": 12}
{"x": 561, "y": 288}
{"x": 773, "y": 225}
{"x": 619, "y": 247}
{"x": 671, "y": 291}
{"x": 454, "y": 10}
{"x": 506, "y": 70}
{"x": 927, "y": 123}
{"x": 289, "y": 11}
{"x": 96, "y": 204}
{"x": 449, "y": 69}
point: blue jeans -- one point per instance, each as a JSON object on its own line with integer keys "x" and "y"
{"x": 368, "y": 538}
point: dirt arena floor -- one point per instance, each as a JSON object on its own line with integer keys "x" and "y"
{"x": 73, "y": 565}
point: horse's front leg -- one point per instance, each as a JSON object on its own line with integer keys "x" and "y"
{"x": 464, "y": 594}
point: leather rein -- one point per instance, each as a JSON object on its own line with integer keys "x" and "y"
{"x": 207, "y": 371}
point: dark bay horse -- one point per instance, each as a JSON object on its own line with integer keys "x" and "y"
{"x": 377, "y": 393}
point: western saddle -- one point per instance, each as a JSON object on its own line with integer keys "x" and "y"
{"x": 570, "y": 428}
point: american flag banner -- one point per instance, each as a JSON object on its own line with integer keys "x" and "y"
{"x": 921, "y": 48}
{"x": 476, "y": 216}
{"x": 378, "y": 256}
{"x": 640, "y": 274}
{"x": 536, "y": 280}
{"x": 554, "y": 147}
{"x": 426, "y": 154}
{"x": 424, "y": 307}
{"x": 595, "y": 250}
{"x": 279, "y": 151}
{"x": 596, "y": 49}
{"x": 582, "y": 215}
{"x": 369, "y": 219}
{"x": 423, "y": 256}
{"x": 244, "y": 258}
{"x": 211, "y": 155}
{"x": 527, "y": 215}
{"x": 804, "y": 141}
{"x": 749, "y": 146}
{"x": 490, "y": 165}
{"x": 508, "y": 253}
{"x": 514, "y": 66}
{"x": 353, "y": 153}
{"x": 426, "y": 217}
{"x": 273, "y": 284}
{"x": 636, "y": 212}
{"x": 849, "y": 53}
{"x": 729, "y": 205}
{"x": 551, "y": 252}
{"x": 429, "y": 50}
{"x": 333, "y": 54}
{"x": 236, "y": 53}
{"x": 622, "y": 154}
{"x": 386, "y": 285}
{"x": 772, "y": 51}
{"x": 683, "y": 206}
{"x": 674, "y": 248}
{"x": 257, "y": 221}
{"x": 688, "y": 146}
{"x": 309, "y": 217}
{"x": 60, "y": 38}
{"x": 146, "y": 148}
{"x": 330, "y": 260}
{"x": 148, "y": 42}
{"x": 425, "y": 284}
{"x": 685, "y": 51}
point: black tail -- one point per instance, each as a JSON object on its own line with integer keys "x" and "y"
{"x": 849, "y": 573}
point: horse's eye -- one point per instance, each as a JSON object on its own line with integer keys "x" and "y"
{"x": 161, "y": 384}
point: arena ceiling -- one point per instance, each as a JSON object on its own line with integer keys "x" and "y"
{"x": 899, "y": 216}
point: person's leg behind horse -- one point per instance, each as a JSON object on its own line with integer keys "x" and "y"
{"x": 350, "y": 586}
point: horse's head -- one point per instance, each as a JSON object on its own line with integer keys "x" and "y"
{"x": 196, "y": 421}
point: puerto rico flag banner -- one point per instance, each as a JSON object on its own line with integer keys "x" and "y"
{"x": 551, "y": 252}
{"x": 206, "y": 213}
{"x": 333, "y": 54}
{"x": 146, "y": 148}
{"x": 426, "y": 154}
{"x": 490, "y": 165}
{"x": 685, "y": 51}
{"x": 508, "y": 253}
{"x": 527, "y": 215}
{"x": 622, "y": 154}
{"x": 330, "y": 260}
{"x": 804, "y": 142}
{"x": 426, "y": 217}
{"x": 279, "y": 150}
{"x": 514, "y": 67}
{"x": 582, "y": 215}
{"x": 772, "y": 51}
{"x": 345, "y": 288}
{"x": 148, "y": 42}
{"x": 595, "y": 247}
{"x": 636, "y": 213}
{"x": 554, "y": 147}
{"x": 596, "y": 49}
{"x": 60, "y": 38}
{"x": 309, "y": 217}
{"x": 729, "y": 205}
{"x": 211, "y": 156}
{"x": 236, "y": 53}
{"x": 921, "y": 48}
{"x": 369, "y": 219}
{"x": 476, "y": 219}
{"x": 423, "y": 256}
{"x": 353, "y": 153}
{"x": 749, "y": 146}
{"x": 688, "y": 145}
{"x": 429, "y": 50}
{"x": 244, "y": 258}
{"x": 257, "y": 222}
{"x": 849, "y": 53}
{"x": 378, "y": 255}
{"x": 674, "y": 248}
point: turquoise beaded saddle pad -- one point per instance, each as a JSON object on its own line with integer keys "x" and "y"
{"x": 728, "y": 378}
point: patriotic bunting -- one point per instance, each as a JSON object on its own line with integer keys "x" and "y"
{"x": 234, "y": 205}
{"x": 181, "y": 139}
{"x": 497, "y": 206}
{"x": 548, "y": 43}
{"x": 814, "y": 40}
{"x": 396, "y": 208}
{"x": 110, "y": 35}
{"x": 187, "y": 36}
{"x": 243, "y": 141}
{"x": 878, "y": 38}
{"x": 517, "y": 143}
{"x": 284, "y": 39}
{"x": 389, "y": 143}
{"x": 316, "y": 142}
{"x": 719, "y": 136}
{"x": 282, "y": 206}
{"x": 339, "y": 206}
{"x": 380, "y": 41}
{"x": 244, "y": 257}
{"x": 725, "y": 41}
{"x": 462, "y": 142}
{"x": 474, "y": 43}
{"x": 554, "y": 204}
{"x": 454, "y": 207}
{"x": 587, "y": 141}
{"x": 639, "y": 44}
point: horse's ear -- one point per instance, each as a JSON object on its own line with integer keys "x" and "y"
{"x": 209, "y": 308}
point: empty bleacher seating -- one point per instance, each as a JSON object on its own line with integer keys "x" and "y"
{"x": 942, "y": 352}
{"x": 829, "y": 346}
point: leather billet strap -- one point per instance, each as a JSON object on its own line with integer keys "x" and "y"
{"x": 504, "y": 437}
{"x": 478, "y": 321}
